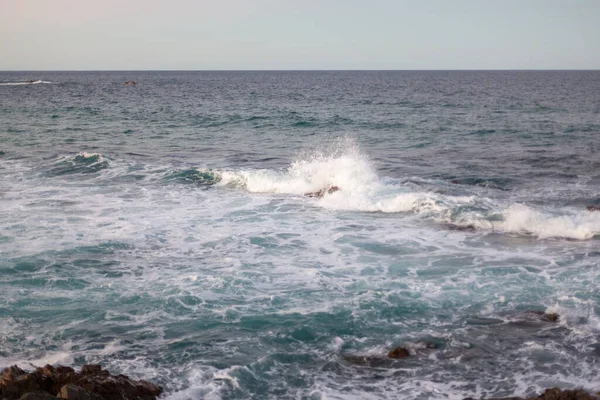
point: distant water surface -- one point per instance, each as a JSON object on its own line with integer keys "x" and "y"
{"x": 162, "y": 230}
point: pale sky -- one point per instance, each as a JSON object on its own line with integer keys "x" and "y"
{"x": 299, "y": 34}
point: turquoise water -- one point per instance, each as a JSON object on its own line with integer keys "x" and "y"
{"x": 163, "y": 230}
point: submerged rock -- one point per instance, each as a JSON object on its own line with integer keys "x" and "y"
{"x": 543, "y": 316}
{"x": 533, "y": 319}
{"x": 550, "y": 317}
{"x": 92, "y": 383}
{"x": 320, "y": 193}
{"x": 399, "y": 352}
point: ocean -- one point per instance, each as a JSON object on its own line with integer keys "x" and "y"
{"x": 273, "y": 235}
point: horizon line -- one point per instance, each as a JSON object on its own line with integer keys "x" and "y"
{"x": 305, "y": 70}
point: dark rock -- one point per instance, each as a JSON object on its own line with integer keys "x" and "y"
{"x": 320, "y": 193}
{"x": 91, "y": 369}
{"x": 558, "y": 394}
{"x": 130, "y": 83}
{"x": 369, "y": 361}
{"x": 550, "y": 317}
{"x": 461, "y": 228}
{"x": 72, "y": 392}
{"x": 593, "y": 208}
{"x": 399, "y": 352}
{"x": 14, "y": 382}
{"x": 37, "y": 396}
{"x": 553, "y": 394}
{"x": 533, "y": 319}
{"x": 542, "y": 316}
{"x": 98, "y": 384}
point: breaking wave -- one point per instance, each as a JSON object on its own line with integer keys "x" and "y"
{"x": 82, "y": 163}
{"x": 362, "y": 190}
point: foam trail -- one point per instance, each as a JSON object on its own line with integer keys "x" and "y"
{"x": 23, "y": 83}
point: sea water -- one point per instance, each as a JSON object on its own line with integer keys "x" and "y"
{"x": 163, "y": 230}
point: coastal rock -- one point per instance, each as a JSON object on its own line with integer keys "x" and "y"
{"x": 130, "y": 83}
{"x": 553, "y": 394}
{"x": 533, "y": 319}
{"x": 399, "y": 352}
{"x": 550, "y": 317}
{"x": 14, "y": 382}
{"x": 542, "y": 316}
{"x": 37, "y": 396}
{"x": 593, "y": 208}
{"x": 72, "y": 392}
{"x": 320, "y": 193}
{"x": 92, "y": 383}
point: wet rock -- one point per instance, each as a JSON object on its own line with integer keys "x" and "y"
{"x": 533, "y": 319}
{"x": 92, "y": 369}
{"x": 371, "y": 361}
{"x": 72, "y": 392}
{"x": 558, "y": 394}
{"x": 14, "y": 382}
{"x": 320, "y": 193}
{"x": 461, "y": 228}
{"x": 593, "y": 208}
{"x": 550, "y": 317}
{"x": 130, "y": 83}
{"x": 92, "y": 383}
{"x": 553, "y": 394}
{"x": 543, "y": 316}
{"x": 399, "y": 352}
{"x": 37, "y": 396}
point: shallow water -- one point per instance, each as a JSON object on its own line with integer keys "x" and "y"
{"x": 163, "y": 230}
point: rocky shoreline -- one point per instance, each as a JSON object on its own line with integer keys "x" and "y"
{"x": 553, "y": 394}
{"x": 94, "y": 383}
{"x": 59, "y": 382}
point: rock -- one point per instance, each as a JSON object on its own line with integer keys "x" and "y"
{"x": 533, "y": 319}
{"x": 543, "y": 316}
{"x": 320, "y": 193}
{"x": 37, "y": 396}
{"x": 550, "y": 317}
{"x": 130, "y": 83}
{"x": 461, "y": 228}
{"x": 91, "y": 369}
{"x": 92, "y": 383}
{"x": 593, "y": 208}
{"x": 399, "y": 352}
{"x": 72, "y": 392}
{"x": 558, "y": 394}
{"x": 553, "y": 394}
{"x": 14, "y": 382}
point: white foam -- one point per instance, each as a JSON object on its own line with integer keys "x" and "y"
{"x": 350, "y": 171}
{"x": 519, "y": 218}
{"x": 362, "y": 190}
{"x": 23, "y": 83}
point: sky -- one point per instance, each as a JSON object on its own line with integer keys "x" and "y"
{"x": 299, "y": 34}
